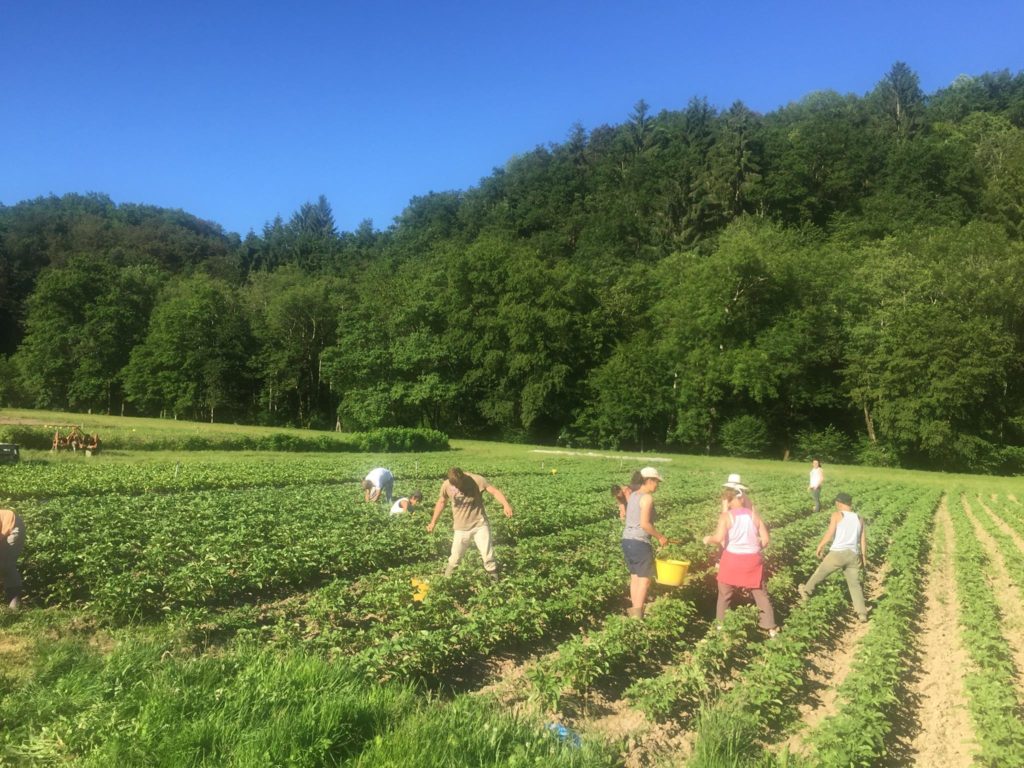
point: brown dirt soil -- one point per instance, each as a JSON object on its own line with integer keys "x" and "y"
{"x": 1008, "y": 597}
{"x": 945, "y": 735}
{"x": 829, "y": 669}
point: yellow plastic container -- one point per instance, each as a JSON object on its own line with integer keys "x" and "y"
{"x": 422, "y": 588}
{"x": 671, "y": 572}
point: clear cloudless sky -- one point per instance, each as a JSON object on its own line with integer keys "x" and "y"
{"x": 239, "y": 111}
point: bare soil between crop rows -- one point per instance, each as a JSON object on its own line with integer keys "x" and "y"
{"x": 830, "y": 668}
{"x": 1008, "y": 597}
{"x": 945, "y": 735}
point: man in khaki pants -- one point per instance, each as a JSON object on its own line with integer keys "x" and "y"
{"x": 465, "y": 491}
{"x": 849, "y": 551}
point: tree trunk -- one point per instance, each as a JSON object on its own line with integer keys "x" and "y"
{"x": 870, "y": 423}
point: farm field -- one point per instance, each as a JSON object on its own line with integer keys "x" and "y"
{"x": 250, "y": 610}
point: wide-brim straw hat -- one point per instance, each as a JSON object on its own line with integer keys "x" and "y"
{"x": 735, "y": 482}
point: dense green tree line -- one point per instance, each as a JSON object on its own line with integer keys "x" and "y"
{"x": 840, "y": 276}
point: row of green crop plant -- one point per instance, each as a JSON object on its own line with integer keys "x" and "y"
{"x": 619, "y": 645}
{"x": 550, "y": 586}
{"x": 582, "y": 484}
{"x": 146, "y": 704}
{"x": 1013, "y": 556}
{"x": 705, "y": 670}
{"x": 869, "y": 699}
{"x": 384, "y": 440}
{"x": 991, "y": 682}
{"x": 1012, "y": 515}
{"x": 149, "y": 555}
{"x": 40, "y": 479}
{"x": 763, "y": 701}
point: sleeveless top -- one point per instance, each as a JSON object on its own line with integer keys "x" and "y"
{"x": 847, "y": 533}
{"x": 742, "y": 537}
{"x": 396, "y": 508}
{"x": 633, "y": 529}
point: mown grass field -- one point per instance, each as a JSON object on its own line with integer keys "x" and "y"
{"x": 249, "y": 609}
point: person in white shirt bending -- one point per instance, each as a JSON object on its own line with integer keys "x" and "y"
{"x": 849, "y": 551}
{"x": 378, "y": 481}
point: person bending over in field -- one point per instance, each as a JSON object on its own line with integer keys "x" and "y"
{"x": 406, "y": 503}
{"x": 636, "y": 540}
{"x": 465, "y": 492}
{"x": 378, "y": 481}
{"x": 621, "y": 493}
{"x": 12, "y": 542}
{"x": 743, "y": 534}
{"x": 849, "y": 551}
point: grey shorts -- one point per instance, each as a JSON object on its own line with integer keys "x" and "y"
{"x": 639, "y": 557}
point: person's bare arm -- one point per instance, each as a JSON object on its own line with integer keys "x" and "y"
{"x": 718, "y": 537}
{"x": 497, "y": 494}
{"x": 438, "y": 509}
{"x": 762, "y": 532}
{"x": 832, "y": 523}
{"x": 646, "y": 505}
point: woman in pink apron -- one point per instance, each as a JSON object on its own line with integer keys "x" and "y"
{"x": 743, "y": 534}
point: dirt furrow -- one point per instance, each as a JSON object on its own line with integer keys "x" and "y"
{"x": 828, "y": 670}
{"x": 946, "y": 735}
{"x": 1008, "y": 596}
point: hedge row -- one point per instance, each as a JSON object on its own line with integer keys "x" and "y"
{"x": 385, "y": 440}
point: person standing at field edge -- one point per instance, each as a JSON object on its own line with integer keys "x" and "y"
{"x": 849, "y": 551}
{"x": 12, "y": 542}
{"x": 743, "y": 535}
{"x": 636, "y": 540}
{"x": 379, "y": 480}
{"x": 465, "y": 492}
{"x": 817, "y": 478}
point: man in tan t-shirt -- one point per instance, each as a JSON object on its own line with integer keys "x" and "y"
{"x": 469, "y": 520}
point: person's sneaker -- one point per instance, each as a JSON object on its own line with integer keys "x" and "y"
{"x": 804, "y": 594}
{"x": 493, "y": 575}
{"x": 863, "y": 617}
{"x": 15, "y": 604}
{"x": 774, "y": 632}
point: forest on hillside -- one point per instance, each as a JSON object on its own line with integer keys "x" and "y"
{"x": 840, "y": 277}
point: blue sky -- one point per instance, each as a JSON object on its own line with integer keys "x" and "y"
{"x": 239, "y": 111}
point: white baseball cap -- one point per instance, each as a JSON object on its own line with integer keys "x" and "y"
{"x": 650, "y": 473}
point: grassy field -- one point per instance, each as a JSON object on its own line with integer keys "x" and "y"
{"x": 249, "y": 609}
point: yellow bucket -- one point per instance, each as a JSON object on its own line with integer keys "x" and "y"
{"x": 671, "y": 572}
{"x": 422, "y": 588}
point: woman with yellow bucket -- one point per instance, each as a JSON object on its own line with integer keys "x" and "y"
{"x": 743, "y": 534}
{"x": 636, "y": 540}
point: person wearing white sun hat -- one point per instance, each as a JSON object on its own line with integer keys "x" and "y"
{"x": 636, "y": 540}
{"x": 743, "y": 535}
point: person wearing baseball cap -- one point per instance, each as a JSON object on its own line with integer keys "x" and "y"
{"x": 636, "y": 540}
{"x": 849, "y": 551}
